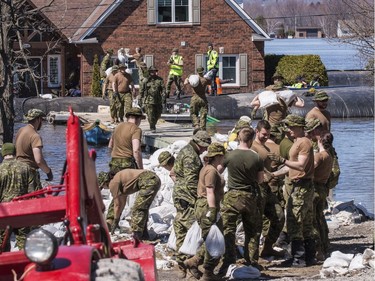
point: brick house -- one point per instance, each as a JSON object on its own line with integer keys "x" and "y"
{"x": 90, "y": 27}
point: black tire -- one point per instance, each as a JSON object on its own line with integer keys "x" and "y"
{"x": 116, "y": 270}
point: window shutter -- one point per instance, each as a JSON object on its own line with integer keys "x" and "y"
{"x": 243, "y": 70}
{"x": 151, "y": 12}
{"x": 196, "y": 11}
{"x": 149, "y": 60}
{"x": 199, "y": 61}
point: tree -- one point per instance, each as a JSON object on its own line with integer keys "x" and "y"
{"x": 18, "y": 18}
{"x": 95, "y": 85}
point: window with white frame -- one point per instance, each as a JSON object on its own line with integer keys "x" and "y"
{"x": 173, "y": 11}
{"x": 229, "y": 66}
{"x": 54, "y": 71}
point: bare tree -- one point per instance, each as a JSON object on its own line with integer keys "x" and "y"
{"x": 19, "y": 20}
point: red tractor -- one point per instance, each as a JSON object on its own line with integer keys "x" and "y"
{"x": 86, "y": 251}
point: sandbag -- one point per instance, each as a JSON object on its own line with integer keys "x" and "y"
{"x": 193, "y": 240}
{"x": 287, "y": 96}
{"x": 171, "y": 244}
{"x": 267, "y": 98}
{"x": 209, "y": 75}
{"x": 194, "y": 80}
{"x": 242, "y": 272}
{"x": 215, "y": 243}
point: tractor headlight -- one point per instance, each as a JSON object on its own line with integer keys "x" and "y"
{"x": 41, "y": 246}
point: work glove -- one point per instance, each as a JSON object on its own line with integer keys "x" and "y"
{"x": 49, "y": 176}
{"x": 114, "y": 225}
{"x": 211, "y": 215}
{"x": 276, "y": 158}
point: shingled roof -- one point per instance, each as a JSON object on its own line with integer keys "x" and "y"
{"x": 74, "y": 18}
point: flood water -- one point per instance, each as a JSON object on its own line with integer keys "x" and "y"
{"x": 354, "y": 143}
{"x": 334, "y": 55}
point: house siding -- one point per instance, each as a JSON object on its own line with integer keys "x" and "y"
{"x": 127, "y": 27}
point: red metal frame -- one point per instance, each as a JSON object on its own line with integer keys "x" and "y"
{"x": 81, "y": 205}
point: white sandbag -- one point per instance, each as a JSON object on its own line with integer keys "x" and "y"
{"x": 163, "y": 214}
{"x": 159, "y": 228}
{"x": 215, "y": 243}
{"x": 208, "y": 75}
{"x": 242, "y": 272}
{"x": 221, "y": 137}
{"x": 175, "y": 147}
{"x": 357, "y": 263}
{"x": 287, "y": 96}
{"x": 369, "y": 257}
{"x": 194, "y": 80}
{"x": 340, "y": 255}
{"x": 267, "y": 98}
{"x": 193, "y": 240}
{"x": 335, "y": 262}
{"x": 232, "y": 145}
{"x": 108, "y": 71}
{"x": 171, "y": 244}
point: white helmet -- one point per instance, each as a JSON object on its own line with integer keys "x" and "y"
{"x": 194, "y": 80}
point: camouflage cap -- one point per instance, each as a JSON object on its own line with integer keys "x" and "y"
{"x": 152, "y": 68}
{"x": 164, "y": 157}
{"x": 175, "y": 50}
{"x": 34, "y": 113}
{"x": 114, "y": 68}
{"x": 8, "y": 148}
{"x": 277, "y": 76}
{"x": 135, "y": 111}
{"x": 215, "y": 149}
{"x": 312, "y": 124}
{"x": 241, "y": 124}
{"x": 294, "y": 121}
{"x": 321, "y": 96}
{"x": 312, "y": 90}
{"x": 202, "y": 138}
{"x": 103, "y": 178}
{"x": 200, "y": 69}
{"x": 277, "y": 86}
{"x": 276, "y": 130}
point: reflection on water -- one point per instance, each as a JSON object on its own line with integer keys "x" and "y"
{"x": 354, "y": 143}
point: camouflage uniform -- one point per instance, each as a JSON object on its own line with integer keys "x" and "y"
{"x": 108, "y": 90}
{"x": 199, "y": 103}
{"x": 106, "y": 63}
{"x": 16, "y": 179}
{"x": 153, "y": 94}
{"x": 187, "y": 167}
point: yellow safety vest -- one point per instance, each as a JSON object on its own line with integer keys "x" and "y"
{"x": 176, "y": 69}
{"x": 213, "y": 60}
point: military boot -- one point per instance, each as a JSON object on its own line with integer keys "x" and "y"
{"x": 310, "y": 252}
{"x": 208, "y": 275}
{"x": 192, "y": 265}
{"x": 268, "y": 250}
{"x": 298, "y": 253}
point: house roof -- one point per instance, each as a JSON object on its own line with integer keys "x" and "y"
{"x": 260, "y": 35}
{"x": 71, "y": 17}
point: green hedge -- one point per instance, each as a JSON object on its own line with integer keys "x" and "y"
{"x": 290, "y": 66}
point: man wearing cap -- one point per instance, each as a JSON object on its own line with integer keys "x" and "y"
{"x": 127, "y": 182}
{"x": 241, "y": 202}
{"x": 213, "y": 66}
{"x": 198, "y": 102}
{"x": 106, "y": 63}
{"x": 275, "y": 78}
{"x": 207, "y": 207}
{"x": 320, "y": 110}
{"x": 272, "y": 212}
{"x": 16, "y": 179}
{"x": 176, "y": 66}
{"x": 124, "y": 91}
{"x": 29, "y": 146}
{"x": 166, "y": 160}
{"x": 108, "y": 91}
{"x": 299, "y": 216}
{"x": 126, "y": 147}
{"x": 153, "y": 96}
{"x": 187, "y": 167}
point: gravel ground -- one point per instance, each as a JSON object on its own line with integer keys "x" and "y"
{"x": 348, "y": 239}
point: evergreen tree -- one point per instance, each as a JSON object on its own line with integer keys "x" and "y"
{"x": 95, "y": 84}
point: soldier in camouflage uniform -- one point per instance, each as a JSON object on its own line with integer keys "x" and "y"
{"x": 207, "y": 206}
{"x": 127, "y": 182}
{"x": 242, "y": 201}
{"x": 108, "y": 91}
{"x": 16, "y": 179}
{"x": 187, "y": 167}
{"x": 299, "y": 210}
{"x": 29, "y": 146}
{"x": 153, "y": 95}
{"x": 198, "y": 102}
{"x": 106, "y": 63}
